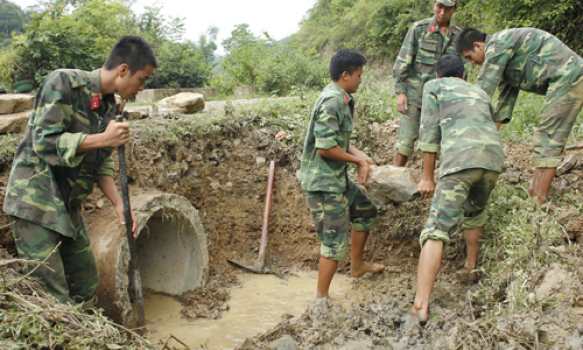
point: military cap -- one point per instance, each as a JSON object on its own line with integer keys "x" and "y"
{"x": 448, "y": 3}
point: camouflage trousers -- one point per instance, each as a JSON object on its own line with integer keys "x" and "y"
{"x": 559, "y": 114}
{"x": 459, "y": 195}
{"x": 333, "y": 213}
{"x": 409, "y": 131}
{"x": 74, "y": 277}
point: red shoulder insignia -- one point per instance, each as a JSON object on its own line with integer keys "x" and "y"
{"x": 94, "y": 102}
{"x": 432, "y": 29}
{"x": 453, "y": 30}
{"x": 346, "y": 99}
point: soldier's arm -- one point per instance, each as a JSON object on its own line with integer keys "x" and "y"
{"x": 107, "y": 186}
{"x": 429, "y": 139}
{"x": 506, "y": 100}
{"x": 51, "y": 121}
{"x": 115, "y": 135}
{"x": 404, "y": 62}
{"x": 360, "y": 154}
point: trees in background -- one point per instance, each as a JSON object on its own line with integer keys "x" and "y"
{"x": 277, "y": 67}
{"x": 79, "y": 34}
{"x": 12, "y": 20}
{"x": 378, "y": 27}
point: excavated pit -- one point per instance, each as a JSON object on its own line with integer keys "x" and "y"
{"x": 173, "y": 255}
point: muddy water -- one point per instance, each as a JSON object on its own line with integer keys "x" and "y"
{"x": 255, "y": 306}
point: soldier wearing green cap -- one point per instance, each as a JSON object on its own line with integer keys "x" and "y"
{"x": 531, "y": 60}
{"x": 456, "y": 121}
{"x": 426, "y": 41}
{"x": 67, "y": 148}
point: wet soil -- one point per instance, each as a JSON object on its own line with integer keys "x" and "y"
{"x": 224, "y": 176}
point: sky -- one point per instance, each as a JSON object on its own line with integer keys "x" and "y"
{"x": 279, "y": 18}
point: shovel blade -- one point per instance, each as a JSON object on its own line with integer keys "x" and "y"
{"x": 252, "y": 268}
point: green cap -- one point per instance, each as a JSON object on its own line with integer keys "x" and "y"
{"x": 448, "y": 3}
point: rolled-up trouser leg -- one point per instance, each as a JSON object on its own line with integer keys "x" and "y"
{"x": 408, "y": 131}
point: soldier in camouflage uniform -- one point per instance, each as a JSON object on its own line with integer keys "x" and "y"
{"x": 65, "y": 150}
{"x": 426, "y": 41}
{"x": 531, "y": 60}
{"x": 456, "y": 120}
{"x": 336, "y": 202}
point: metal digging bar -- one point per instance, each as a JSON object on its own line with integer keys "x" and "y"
{"x": 259, "y": 266}
{"x": 134, "y": 268}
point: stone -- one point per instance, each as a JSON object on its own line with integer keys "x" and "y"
{"x": 188, "y": 102}
{"x": 392, "y": 185}
{"x": 15, "y": 123}
{"x": 152, "y": 95}
{"x": 284, "y": 343}
{"x": 559, "y": 283}
{"x": 14, "y": 103}
{"x": 162, "y": 111}
{"x": 136, "y": 112}
{"x": 572, "y": 220}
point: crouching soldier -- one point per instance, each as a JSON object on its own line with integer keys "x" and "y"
{"x": 456, "y": 119}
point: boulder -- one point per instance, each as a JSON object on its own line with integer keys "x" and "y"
{"x": 392, "y": 185}
{"x": 188, "y": 102}
{"x": 136, "y": 112}
{"x": 14, "y": 103}
{"x": 15, "y": 123}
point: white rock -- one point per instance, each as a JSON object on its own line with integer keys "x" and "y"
{"x": 188, "y": 102}
{"x": 14, "y": 103}
{"x": 15, "y": 123}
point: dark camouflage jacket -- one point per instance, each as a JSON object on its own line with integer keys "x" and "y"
{"x": 415, "y": 65}
{"x": 49, "y": 180}
{"x": 526, "y": 59}
{"x": 456, "y": 119}
{"x": 330, "y": 126}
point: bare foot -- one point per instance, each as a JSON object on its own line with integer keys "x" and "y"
{"x": 420, "y": 314}
{"x": 357, "y": 271}
{"x": 327, "y": 298}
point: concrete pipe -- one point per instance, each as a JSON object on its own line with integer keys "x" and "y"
{"x": 172, "y": 249}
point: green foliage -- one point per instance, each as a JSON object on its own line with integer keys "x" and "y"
{"x": 563, "y": 18}
{"x": 12, "y": 20}
{"x": 277, "y": 67}
{"x": 79, "y": 34}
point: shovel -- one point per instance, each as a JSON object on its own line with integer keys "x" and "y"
{"x": 134, "y": 268}
{"x": 259, "y": 266}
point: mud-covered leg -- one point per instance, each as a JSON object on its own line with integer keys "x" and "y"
{"x": 408, "y": 134}
{"x": 357, "y": 265}
{"x": 429, "y": 266}
{"x": 542, "y": 186}
{"x": 473, "y": 237}
{"x": 326, "y": 272}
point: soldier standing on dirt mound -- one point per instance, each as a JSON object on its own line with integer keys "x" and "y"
{"x": 531, "y": 60}
{"x": 66, "y": 149}
{"x": 456, "y": 119}
{"x": 425, "y": 43}
{"x": 336, "y": 202}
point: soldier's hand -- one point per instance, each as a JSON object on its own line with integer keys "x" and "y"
{"x": 402, "y": 103}
{"x": 426, "y": 188}
{"x": 364, "y": 172}
{"x": 116, "y": 134}
{"x": 119, "y": 210}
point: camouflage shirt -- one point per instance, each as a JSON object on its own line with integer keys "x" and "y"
{"x": 415, "y": 65}
{"x": 330, "y": 126}
{"x": 49, "y": 180}
{"x": 526, "y": 59}
{"x": 457, "y": 119}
